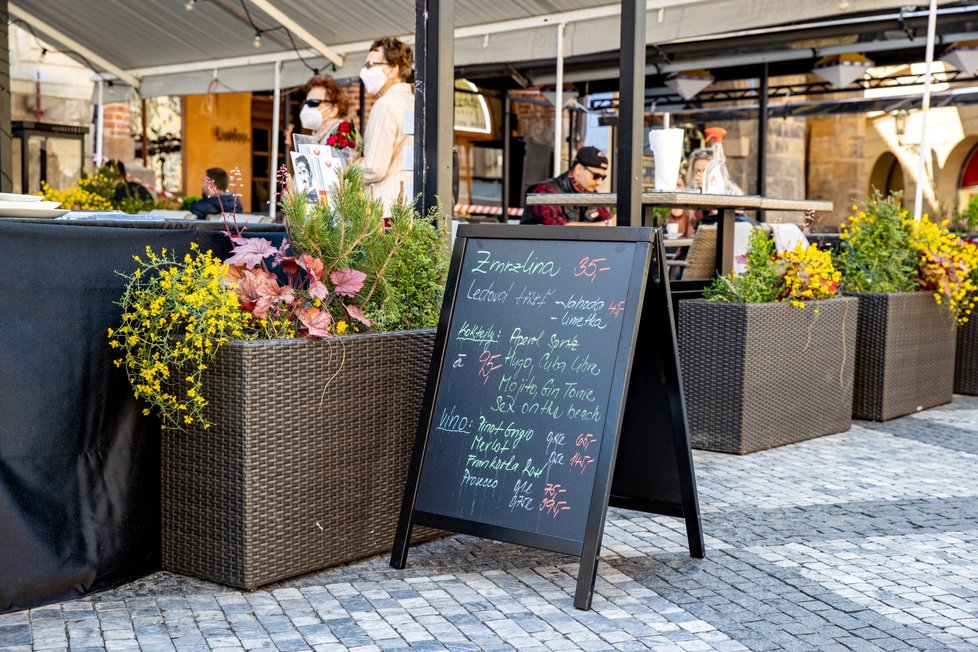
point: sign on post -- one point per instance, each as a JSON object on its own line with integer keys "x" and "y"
{"x": 526, "y": 400}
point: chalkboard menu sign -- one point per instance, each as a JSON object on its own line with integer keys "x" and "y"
{"x": 526, "y": 399}
{"x": 526, "y": 383}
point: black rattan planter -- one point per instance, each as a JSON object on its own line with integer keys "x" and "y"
{"x": 292, "y": 477}
{"x": 904, "y": 355}
{"x": 760, "y": 375}
{"x": 966, "y": 358}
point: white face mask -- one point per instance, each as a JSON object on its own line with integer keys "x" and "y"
{"x": 310, "y": 118}
{"x": 373, "y": 79}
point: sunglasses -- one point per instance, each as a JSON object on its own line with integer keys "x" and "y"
{"x": 597, "y": 175}
{"x": 316, "y": 103}
{"x": 370, "y": 64}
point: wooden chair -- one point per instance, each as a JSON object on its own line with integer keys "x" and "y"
{"x": 701, "y": 259}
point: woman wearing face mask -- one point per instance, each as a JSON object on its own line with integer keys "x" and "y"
{"x": 324, "y": 114}
{"x": 384, "y": 74}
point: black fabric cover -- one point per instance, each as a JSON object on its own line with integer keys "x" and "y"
{"x": 79, "y": 463}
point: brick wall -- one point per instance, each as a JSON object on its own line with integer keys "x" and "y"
{"x": 837, "y": 165}
{"x": 117, "y": 139}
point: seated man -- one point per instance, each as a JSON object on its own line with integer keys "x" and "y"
{"x": 215, "y": 204}
{"x": 588, "y": 169}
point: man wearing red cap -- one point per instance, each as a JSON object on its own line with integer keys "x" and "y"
{"x": 588, "y": 169}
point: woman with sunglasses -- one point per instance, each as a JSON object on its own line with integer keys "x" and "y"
{"x": 324, "y": 113}
{"x": 588, "y": 169}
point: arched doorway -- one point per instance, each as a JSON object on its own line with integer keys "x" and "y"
{"x": 887, "y": 176}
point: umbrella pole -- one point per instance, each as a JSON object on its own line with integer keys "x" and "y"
{"x": 918, "y": 201}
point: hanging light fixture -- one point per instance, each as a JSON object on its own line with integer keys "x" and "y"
{"x": 689, "y": 82}
{"x": 257, "y": 41}
{"x": 190, "y": 5}
{"x": 840, "y": 70}
{"x": 963, "y": 55}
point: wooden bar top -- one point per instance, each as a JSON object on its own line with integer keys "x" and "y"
{"x": 680, "y": 200}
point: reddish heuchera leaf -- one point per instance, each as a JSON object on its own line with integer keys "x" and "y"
{"x": 347, "y": 281}
{"x": 317, "y": 321}
{"x": 312, "y": 265}
{"x": 289, "y": 265}
{"x": 355, "y": 313}
{"x": 280, "y": 254}
{"x": 262, "y": 288}
{"x": 318, "y": 289}
{"x": 236, "y": 239}
{"x": 251, "y": 252}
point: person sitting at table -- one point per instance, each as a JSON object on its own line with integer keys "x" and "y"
{"x": 216, "y": 203}
{"x": 588, "y": 169}
{"x": 680, "y": 216}
{"x": 696, "y": 166}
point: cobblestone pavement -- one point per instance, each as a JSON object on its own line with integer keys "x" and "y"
{"x": 866, "y": 540}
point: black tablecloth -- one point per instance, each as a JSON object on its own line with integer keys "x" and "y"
{"x": 79, "y": 464}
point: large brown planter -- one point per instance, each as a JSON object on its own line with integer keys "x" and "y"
{"x": 760, "y": 375}
{"x": 966, "y": 358}
{"x": 904, "y": 355}
{"x": 305, "y": 464}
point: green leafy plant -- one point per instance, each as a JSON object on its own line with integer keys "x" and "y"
{"x": 404, "y": 257}
{"x": 968, "y": 217}
{"x": 876, "y": 254}
{"x": 760, "y": 283}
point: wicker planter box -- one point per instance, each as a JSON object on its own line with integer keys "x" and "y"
{"x": 966, "y": 358}
{"x": 760, "y": 375}
{"x": 904, "y": 355}
{"x": 304, "y": 467}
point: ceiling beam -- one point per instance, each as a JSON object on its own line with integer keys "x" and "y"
{"x": 73, "y": 45}
{"x": 288, "y": 23}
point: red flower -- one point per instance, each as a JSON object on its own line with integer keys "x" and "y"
{"x": 344, "y": 128}
{"x": 343, "y": 142}
{"x": 331, "y": 140}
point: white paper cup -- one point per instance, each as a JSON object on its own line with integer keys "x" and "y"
{"x": 672, "y": 228}
{"x": 667, "y": 148}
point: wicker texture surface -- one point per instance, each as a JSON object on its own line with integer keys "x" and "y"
{"x": 966, "y": 358}
{"x": 305, "y": 465}
{"x": 760, "y": 375}
{"x": 904, "y": 355}
{"x": 701, "y": 260}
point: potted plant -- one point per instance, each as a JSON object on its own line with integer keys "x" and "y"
{"x": 966, "y": 352}
{"x": 913, "y": 282}
{"x": 767, "y": 355}
{"x": 289, "y": 402}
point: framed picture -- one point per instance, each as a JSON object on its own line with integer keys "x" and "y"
{"x": 302, "y": 139}
{"x": 306, "y": 175}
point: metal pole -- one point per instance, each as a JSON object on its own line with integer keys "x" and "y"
{"x": 631, "y": 102}
{"x": 99, "y": 125}
{"x": 762, "y": 134}
{"x": 434, "y": 102}
{"x": 273, "y": 161}
{"x": 507, "y": 155}
{"x": 144, "y": 138}
{"x": 559, "y": 101}
{"x": 918, "y": 200}
{"x": 6, "y": 138}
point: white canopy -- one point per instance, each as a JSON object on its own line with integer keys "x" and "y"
{"x": 161, "y": 48}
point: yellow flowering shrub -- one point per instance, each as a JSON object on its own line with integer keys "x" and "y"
{"x": 884, "y": 249}
{"x": 808, "y": 275}
{"x": 948, "y": 266}
{"x": 802, "y": 274}
{"x": 76, "y": 198}
{"x": 176, "y": 313}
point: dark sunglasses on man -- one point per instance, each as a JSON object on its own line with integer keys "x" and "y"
{"x": 598, "y": 176}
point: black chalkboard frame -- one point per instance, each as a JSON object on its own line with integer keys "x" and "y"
{"x": 646, "y": 257}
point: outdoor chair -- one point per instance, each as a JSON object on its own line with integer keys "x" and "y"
{"x": 700, "y": 261}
